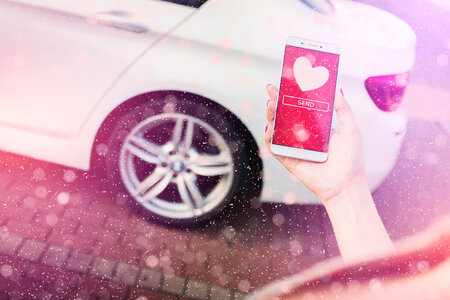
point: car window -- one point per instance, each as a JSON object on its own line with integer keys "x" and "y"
{"x": 190, "y": 3}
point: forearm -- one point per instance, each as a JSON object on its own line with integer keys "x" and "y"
{"x": 356, "y": 224}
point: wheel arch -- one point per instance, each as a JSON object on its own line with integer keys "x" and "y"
{"x": 109, "y": 122}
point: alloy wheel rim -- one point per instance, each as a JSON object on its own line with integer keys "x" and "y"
{"x": 176, "y": 165}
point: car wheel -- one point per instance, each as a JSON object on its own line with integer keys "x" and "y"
{"x": 180, "y": 163}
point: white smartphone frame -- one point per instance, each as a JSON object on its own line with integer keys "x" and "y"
{"x": 299, "y": 153}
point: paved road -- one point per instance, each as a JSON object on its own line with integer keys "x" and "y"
{"x": 53, "y": 218}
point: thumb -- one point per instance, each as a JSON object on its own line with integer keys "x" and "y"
{"x": 344, "y": 112}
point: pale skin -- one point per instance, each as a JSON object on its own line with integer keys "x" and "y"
{"x": 340, "y": 183}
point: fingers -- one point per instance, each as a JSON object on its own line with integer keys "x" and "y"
{"x": 333, "y": 131}
{"x": 271, "y": 104}
{"x": 344, "y": 112}
{"x": 272, "y": 91}
{"x": 268, "y": 135}
{"x": 270, "y": 111}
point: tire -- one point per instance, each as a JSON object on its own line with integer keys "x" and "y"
{"x": 180, "y": 161}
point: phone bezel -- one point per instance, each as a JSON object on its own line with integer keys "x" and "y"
{"x": 311, "y": 155}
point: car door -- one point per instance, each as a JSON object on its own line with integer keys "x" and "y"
{"x": 58, "y": 57}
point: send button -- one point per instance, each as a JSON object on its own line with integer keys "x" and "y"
{"x": 305, "y": 103}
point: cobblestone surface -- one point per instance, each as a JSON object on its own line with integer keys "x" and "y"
{"x": 31, "y": 250}
{"x": 79, "y": 262}
{"x": 55, "y": 256}
{"x": 79, "y": 238}
{"x": 86, "y": 231}
{"x": 9, "y": 243}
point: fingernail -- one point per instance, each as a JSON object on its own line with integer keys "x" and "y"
{"x": 267, "y": 102}
{"x": 342, "y": 92}
{"x": 267, "y": 125}
{"x": 267, "y": 85}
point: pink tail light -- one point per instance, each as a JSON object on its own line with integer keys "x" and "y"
{"x": 387, "y": 91}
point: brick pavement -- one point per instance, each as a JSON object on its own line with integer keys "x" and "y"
{"x": 65, "y": 234}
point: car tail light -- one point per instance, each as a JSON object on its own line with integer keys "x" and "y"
{"x": 387, "y": 91}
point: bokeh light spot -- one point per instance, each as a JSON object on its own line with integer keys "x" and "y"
{"x": 40, "y": 191}
{"x": 170, "y": 106}
{"x": 255, "y": 203}
{"x": 201, "y": 256}
{"x": 244, "y": 286}
{"x": 6, "y": 270}
{"x": 188, "y": 257}
{"x": 152, "y": 261}
{"x": 411, "y": 153}
{"x": 224, "y": 279}
{"x": 295, "y": 247}
{"x": 121, "y": 198}
{"x": 423, "y": 266}
{"x": 278, "y": 219}
{"x": 288, "y": 72}
{"x": 354, "y": 285}
{"x": 69, "y": 176}
{"x": 302, "y": 134}
{"x": 216, "y": 270}
{"x": 51, "y": 219}
{"x": 38, "y": 174}
{"x": 375, "y": 284}
{"x": 275, "y": 244}
{"x": 229, "y": 232}
{"x": 101, "y": 149}
{"x": 336, "y": 287}
{"x": 29, "y": 202}
{"x": 63, "y": 198}
{"x": 142, "y": 241}
{"x": 431, "y": 159}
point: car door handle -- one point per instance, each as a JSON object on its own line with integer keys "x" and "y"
{"x": 121, "y": 20}
{"x": 322, "y": 6}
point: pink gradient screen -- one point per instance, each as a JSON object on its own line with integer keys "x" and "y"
{"x": 306, "y": 97}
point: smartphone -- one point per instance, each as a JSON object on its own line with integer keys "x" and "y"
{"x": 309, "y": 75}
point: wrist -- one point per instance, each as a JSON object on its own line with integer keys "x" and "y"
{"x": 350, "y": 191}
{"x": 356, "y": 223}
{"x": 356, "y": 197}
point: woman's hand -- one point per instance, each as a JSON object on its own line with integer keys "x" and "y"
{"x": 341, "y": 185}
{"x": 345, "y": 165}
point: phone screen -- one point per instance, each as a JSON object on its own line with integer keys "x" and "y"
{"x": 306, "y": 97}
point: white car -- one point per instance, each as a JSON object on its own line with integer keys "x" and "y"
{"x": 169, "y": 96}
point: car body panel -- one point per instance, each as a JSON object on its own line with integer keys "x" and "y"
{"x": 232, "y": 64}
{"x": 376, "y": 39}
{"x": 55, "y": 79}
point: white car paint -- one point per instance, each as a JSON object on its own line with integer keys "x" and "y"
{"x": 56, "y": 65}
{"x": 227, "y": 51}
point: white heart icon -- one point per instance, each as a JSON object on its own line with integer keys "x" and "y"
{"x": 307, "y": 77}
